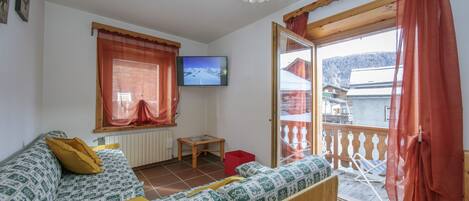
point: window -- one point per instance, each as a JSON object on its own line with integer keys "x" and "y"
{"x": 387, "y": 113}
{"x": 133, "y": 81}
{"x": 136, "y": 85}
{"x": 364, "y": 68}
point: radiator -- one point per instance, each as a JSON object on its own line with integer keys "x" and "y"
{"x": 145, "y": 148}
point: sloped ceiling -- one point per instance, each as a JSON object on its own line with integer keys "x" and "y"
{"x": 199, "y": 20}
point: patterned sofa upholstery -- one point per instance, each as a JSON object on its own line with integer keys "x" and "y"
{"x": 36, "y": 174}
{"x": 252, "y": 168}
{"x": 264, "y": 184}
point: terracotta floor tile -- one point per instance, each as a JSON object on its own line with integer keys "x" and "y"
{"x": 169, "y": 162}
{"x": 219, "y": 163}
{"x": 147, "y": 185}
{"x": 155, "y": 172}
{"x": 203, "y": 161}
{"x": 172, "y": 188}
{"x": 213, "y": 158}
{"x": 199, "y": 162}
{"x": 218, "y": 174}
{"x": 180, "y": 166}
{"x": 188, "y": 174}
{"x": 139, "y": 175}
{"x": 151, "y": 195}
{"x": 209, "y": 168}
{"x": 164, "y": 180}
{"x": 199, "y": 181}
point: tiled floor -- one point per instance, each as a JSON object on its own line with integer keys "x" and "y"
{"x": 174, "y": 176}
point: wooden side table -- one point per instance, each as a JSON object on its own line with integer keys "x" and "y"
{"x": 204, "y": 140}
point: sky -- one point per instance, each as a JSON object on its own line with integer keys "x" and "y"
{"x": 205, "y": 62}
{"x": 382, "y": 42}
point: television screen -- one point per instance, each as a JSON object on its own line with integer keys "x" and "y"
{"x": 202, "y": 71}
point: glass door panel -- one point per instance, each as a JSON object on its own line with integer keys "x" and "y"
{"x": 295, "y": 96}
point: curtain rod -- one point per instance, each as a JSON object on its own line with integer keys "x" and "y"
{"x": 99, "y": 26}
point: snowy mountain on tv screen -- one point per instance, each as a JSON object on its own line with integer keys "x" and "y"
{"x": 202, "y": 76}
{"x": 202, "y": 71}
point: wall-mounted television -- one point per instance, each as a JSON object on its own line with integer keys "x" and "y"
{"x": 202, "y": 70}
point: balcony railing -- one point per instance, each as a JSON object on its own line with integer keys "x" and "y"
{"x": 342, "y": 141}
{"x": 339, "y": 142}
{"x": 295, "y": 140}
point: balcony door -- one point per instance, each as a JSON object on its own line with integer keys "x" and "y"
{"x": 294, "y": 97}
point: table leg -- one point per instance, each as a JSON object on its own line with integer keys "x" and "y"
{"x": 179, "y": 150}
{"x": 194, "y": 156}
{"x": 222, "y": 151}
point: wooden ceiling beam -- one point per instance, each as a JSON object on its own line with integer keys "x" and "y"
{"x": 306, "y": 9}
{"x": 349, "y": 13}
{"x": 370, "y": 17}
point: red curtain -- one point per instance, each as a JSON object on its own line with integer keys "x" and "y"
{"x": 137, "y": 80}
{"x": 298, "y": 24}
{"x": 425, "y": 150}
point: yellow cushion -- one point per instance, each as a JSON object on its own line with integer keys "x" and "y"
{"x": 81, "y": 146}
{"x": 72, "y": 159}
{"x": 138, "y": 199}
{"x": 106, "y": 146}
{"x": 215, "y": 185}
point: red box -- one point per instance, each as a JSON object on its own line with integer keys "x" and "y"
{"x": 235, "y": 158}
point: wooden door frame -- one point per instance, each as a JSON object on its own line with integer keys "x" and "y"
{"x": 315, "y": 122}
{"x": 383, "y": 22}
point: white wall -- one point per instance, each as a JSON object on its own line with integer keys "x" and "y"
{"x": 243, "y": 109}
{"x": 69, "y": 90}
{"x": 460, "y": 12}
{"x": 20, "y": 78}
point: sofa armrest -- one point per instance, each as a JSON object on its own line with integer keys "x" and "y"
{"x": 252, "y": 168}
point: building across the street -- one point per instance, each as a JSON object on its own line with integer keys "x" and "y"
{"x": 369, "y": 96}
{"x": 335, "y": 107}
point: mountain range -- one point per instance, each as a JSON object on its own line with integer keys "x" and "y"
{"x": 336, "y": 70}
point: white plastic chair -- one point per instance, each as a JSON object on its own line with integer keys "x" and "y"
{"x": 368, "y": 168}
